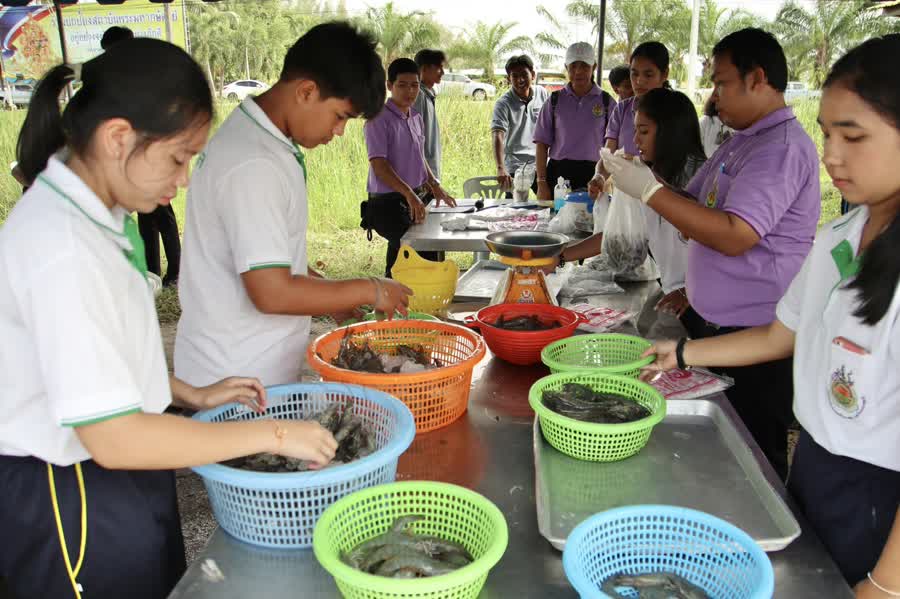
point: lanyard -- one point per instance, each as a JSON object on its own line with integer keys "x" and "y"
{"x": 295, "y": 149}
{"x": 135, "y": 255}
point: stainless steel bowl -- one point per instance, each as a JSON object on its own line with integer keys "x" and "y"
{"x": 526, "y": 245}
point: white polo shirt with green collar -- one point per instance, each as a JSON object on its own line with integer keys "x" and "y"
{"x": 246, "y": 210}
{"x": 847, "y": 399}
{"x": 79, "y": 338}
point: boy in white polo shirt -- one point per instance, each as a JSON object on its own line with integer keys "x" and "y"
{"x": 246, "y": 291}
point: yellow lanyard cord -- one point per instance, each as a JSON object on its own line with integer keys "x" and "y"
{"x": 73, "y": 574}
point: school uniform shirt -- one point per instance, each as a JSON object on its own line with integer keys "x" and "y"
{"x": 667, "y": 244}
{"x": 246, "y": 210}
{"x": 79, "y": 337}
{"x": 580, "y": 125}
{"x": 425, "y": 105}
{"x": 399, "y": 138}
{"x": 517, "y": 118}
{"x": 621, "y": 126}
{"x": 768, "y": 176}
{"x": 713, "y": 133}
{"x": 848, "y": 402}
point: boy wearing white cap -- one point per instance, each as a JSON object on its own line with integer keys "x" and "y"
{"x": 572, "y": 125}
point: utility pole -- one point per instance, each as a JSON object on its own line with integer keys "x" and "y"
{"x": 601, "y": 40}
{"x": 692, "y": 59}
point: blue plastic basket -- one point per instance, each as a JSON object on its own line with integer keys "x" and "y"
{"x": 281, "y": 509}
{"x": 716, "y": 556}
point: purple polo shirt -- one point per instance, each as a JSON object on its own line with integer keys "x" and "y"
{"x": 400, "y": 139}
{"x": 768, "y": 175}
{"x": 621, "y": 126}
{"x": 580, "y": 125}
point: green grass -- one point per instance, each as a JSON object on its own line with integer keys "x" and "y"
{"x": 337, "y": 184}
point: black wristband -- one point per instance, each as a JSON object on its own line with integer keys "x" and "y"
{"x": 679, "y": 353}
{"x": 562, "y": 259}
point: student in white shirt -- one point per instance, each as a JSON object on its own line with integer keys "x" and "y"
{"x": 246, "y": 291}
{"x": 713, "y": 131}
{"x": 88, "y": 505}
{"x": 840, "y": 318}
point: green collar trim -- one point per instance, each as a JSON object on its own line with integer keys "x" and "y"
{"x": 135, "y": 256}
{"x": 847, "y": 264}
{"x": 295, "y": 148}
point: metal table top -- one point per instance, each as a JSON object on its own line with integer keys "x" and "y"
{"x": 431, "y": 237}
{"x": 489, "y": 450}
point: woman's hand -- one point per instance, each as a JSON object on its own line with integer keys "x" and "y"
{"x": 245, "y": 390}
{"x": 595, "y": 186}
{"x": 304, "y": 440}
{"x": 441, "y": 196}
{"x": 665, "y": 359}
{"x": 674, "y": 303}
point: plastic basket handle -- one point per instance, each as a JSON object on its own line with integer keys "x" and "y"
{"x": 471, "y": 321}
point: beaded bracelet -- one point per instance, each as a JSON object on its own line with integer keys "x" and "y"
{"x": 881, "y": 588}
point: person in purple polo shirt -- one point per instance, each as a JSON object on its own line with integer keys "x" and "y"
{"x": 649, "y": 69}
{"x": 572, "y": 125}
{"x": 751, "y": 219}
{"x": 400, "y": 181}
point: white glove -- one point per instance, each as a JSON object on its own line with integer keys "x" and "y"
{"x": 630, "y": 175}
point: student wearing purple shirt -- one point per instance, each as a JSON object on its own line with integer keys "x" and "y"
{"x": 400, "y": 180}
{"x": 750, "y": 214}
{"x": 649, "y": 69}
{"x": 572, "y": 125}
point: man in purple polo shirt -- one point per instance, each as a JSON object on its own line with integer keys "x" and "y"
{"x": 572, "y": 125}
{"x": 751, "y": 225}
{"x": 400, "y": 180}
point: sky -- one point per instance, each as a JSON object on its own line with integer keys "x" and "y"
{"x": 459, "y": 15}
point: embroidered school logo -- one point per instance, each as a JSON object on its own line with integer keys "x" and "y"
{"x": 598, "y": 110}
{"x": 844, "y": 400}
{"x": 711, "y": 199}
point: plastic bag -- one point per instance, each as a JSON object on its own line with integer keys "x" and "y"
{"x": 565, "y": 220}
{"x": 625, "y": 235}
{"x": 522, "y": 182}
{"x": 584, "y": 220}
{"x": 648, "y": 271}
{"x": 601, "y": 209}
{"x": 690, "y": 384}
{"x": 600, "y": 320}
{"x": 581, "y": 281}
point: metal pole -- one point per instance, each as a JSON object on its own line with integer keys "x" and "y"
{"x": 7, "y": 89}
{"x": 62, "y": 43}
{"x": 601, "y": 39}
{"x": 692, "y": 58}
{"x": 168, "y": 23}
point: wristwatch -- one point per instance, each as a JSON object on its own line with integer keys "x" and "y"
{"x": 679, "y": 354}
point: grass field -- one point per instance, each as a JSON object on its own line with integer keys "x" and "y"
{"x": 337, "y": 183}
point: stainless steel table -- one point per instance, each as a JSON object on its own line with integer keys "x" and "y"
{"x": 490, "y": 450}
{"x": 430, "y": 237}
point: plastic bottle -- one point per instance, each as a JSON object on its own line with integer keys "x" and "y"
{"x": 559, "y": 194}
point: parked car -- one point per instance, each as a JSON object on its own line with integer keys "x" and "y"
{"x": 21, "y": 94}
{"x": 454, "y": 83}
{"x": 797, "y": 90}
{"x": 238, "y": 90}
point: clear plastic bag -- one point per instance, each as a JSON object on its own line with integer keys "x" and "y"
{"x": 581, "y": 281}
{"x": 522, "y": 182}
{"x": 566, "y": 219}
{"x": 625, "y": 235}
{"x": 601, "y": 210}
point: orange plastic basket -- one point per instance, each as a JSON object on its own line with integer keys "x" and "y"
{"x": 436, "y": 397}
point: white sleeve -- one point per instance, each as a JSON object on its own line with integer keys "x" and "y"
{"x": 789, "y": 307}
{"x": 81, "y": 342}
{"x": 254, "y": 209}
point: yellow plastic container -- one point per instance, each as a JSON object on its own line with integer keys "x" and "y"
{"x": 433, "y": 283}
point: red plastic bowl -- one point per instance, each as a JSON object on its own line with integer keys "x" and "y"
{"x": 523, "y": 347}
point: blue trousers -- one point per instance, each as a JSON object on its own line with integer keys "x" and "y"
{"x": 850, "y": 504}
{"x": 134, "y": 547}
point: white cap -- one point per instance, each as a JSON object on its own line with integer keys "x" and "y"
{"x": 581, "y": 52}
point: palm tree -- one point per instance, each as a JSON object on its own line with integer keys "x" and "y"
{"x": 814, "y": 39}
{"x": 488, "y": 44}
{"x": 400, "y": 34}
{"x": 549, "y": 49}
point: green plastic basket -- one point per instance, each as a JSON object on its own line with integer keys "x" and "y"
{"x": 597, "y": 442}
{"x": 612, "y": 353}
{"x": 451, "y": 512}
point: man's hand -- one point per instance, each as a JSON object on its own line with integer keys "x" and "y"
{"x": 441, "y": 196}
{"x": 674, "y": 303}
{"x": 631, "y": 175}
{"x": 504, "y": 178}
{"x": 544, "y": 193}
{"x": 416, "y": 208}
